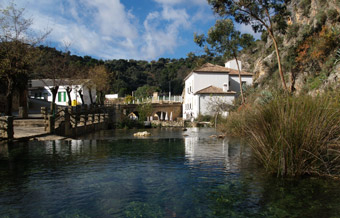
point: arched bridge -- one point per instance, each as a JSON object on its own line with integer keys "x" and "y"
{"x": 160, "y": 111}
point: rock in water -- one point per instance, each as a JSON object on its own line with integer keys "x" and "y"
{"x": 145, "y": 133}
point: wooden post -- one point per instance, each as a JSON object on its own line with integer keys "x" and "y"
{"x": 86, "y": 114}
{"x": 44, "y": 112}
{"x": 51, "y": 121}
{"x": 68, "y": 128}
{"x": 6, "y": 127}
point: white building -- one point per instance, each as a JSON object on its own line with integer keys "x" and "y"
{"x": 210, "y": 84}
{"x": 40, "y": 89}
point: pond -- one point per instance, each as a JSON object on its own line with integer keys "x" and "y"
{"x": 170, "y": 174}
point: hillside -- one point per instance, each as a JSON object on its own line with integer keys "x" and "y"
{"x": 310, "y": 49}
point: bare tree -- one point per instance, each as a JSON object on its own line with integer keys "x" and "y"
{"x": 218, "y": 105}
{"x": 54, "y": 70}
{"x": 17, "y": 52}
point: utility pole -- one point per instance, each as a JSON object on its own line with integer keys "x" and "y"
{"x": 169, "y": 90}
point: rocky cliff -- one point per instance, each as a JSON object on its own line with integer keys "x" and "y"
{"x": 310, "y": 49}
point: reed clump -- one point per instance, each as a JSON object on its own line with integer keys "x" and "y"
{"x": 293, "y": 136}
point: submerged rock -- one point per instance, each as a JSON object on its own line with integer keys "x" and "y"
{"x": 145, "y": 133}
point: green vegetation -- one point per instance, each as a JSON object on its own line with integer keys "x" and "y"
{"x": 225, "y": 40}
{"x": 256, "y": 14}
{"x": 305, "y": 6}
{"x": 144, "y": 111}
{"x": 332, "y": 15}
{"x": 292, "y": 135}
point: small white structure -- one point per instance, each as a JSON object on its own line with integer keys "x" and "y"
{"x": 212, "y": 84}
{"x": 40, "y": 89}
{"x": 111, "y": 96}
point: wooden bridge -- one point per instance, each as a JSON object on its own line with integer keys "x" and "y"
{"x": 78, "y": 120}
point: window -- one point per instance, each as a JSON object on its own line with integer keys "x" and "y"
{"x": 61, "y": 96}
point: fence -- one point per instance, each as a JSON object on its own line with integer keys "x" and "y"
{"x": 159, "y": 99}
{"x": 77, "y": 120}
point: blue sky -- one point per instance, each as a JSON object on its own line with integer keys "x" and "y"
{"x": 122, "y": 29}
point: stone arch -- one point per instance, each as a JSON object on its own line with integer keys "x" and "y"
{"x": 133, "y": 115}
{"x": 159, "y": 115}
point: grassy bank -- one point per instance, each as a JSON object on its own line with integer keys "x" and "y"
{"x": 290, "y": 135}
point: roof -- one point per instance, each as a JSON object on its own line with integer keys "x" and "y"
{"x": 213, "y": 90}
{"x": 35, "y": 83}
{"x": 211, "y": 68}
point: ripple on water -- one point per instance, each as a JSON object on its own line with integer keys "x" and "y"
{"x": 166, "y": 175}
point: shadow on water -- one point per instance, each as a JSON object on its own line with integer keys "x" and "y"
{"x": 113, "y": 174}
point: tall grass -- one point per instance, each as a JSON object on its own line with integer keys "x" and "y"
{"x": 293, "y": 136}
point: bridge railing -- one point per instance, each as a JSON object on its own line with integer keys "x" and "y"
{"x": 159, "y": 99}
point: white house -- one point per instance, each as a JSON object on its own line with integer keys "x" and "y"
{"x": 39, "y": 89}
{"x": 210, "y": 84}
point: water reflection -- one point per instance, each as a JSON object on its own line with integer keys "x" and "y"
{"x": 173, "y": 174}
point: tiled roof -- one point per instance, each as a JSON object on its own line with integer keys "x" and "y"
{"x": 208, "y": 67}
{"x": 213, "y": 90}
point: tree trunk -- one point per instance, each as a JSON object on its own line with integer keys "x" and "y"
{"x": 292, "y": 80}
{"x": 54, "y": 91}
{"x": 81, "y": 96}
{"x": 23, "y": 101}
{"x": 68, "y": 91}
{"x": 216, "y": 115}
{"x": 239, "y": 76}
{"x": 278, "y": 61}
{"x": 9, "y": 97}
{"x": 90, "y": 94}
{"x": 101, "y": 98}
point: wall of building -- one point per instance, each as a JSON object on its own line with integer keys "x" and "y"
{"x": 203, "y": 80}
{"x": 188, "y": 98}
{"x": 233, "y": 65}
{"x": 62, "y": 98}
{"x": 207, "y": 102}
{"x": 235, "y": 82}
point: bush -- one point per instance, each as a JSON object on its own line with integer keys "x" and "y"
{"x": 321, "y": 18}
{"x": 293, "y": 136}
{"x": 305, "y": 6}
{"x": 322, "y": 2}
{"x": 332, "y": 15}
{"x": 235, "y": 124}
{"x": 205, "y": 118}
{"x": 128, "y": 123}
{"x": 292, "y": 31}
{"x": 316, "y": 82}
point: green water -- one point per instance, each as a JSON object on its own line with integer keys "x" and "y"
{"x": 112, "y": 174}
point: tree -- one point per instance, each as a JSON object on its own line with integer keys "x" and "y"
{"x": 218, "y": 105}
{"x": 145, "y": 91}
{"x": 269, "y": 15}
{"x": 99, "y": 78}
{"x": 16, "y": 50}
{"x": 225, "y": 40}
{"x": 144, "y": 111}
{"x": 53, "y": 69}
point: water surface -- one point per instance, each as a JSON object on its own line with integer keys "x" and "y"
{"x": 171, "y": 174}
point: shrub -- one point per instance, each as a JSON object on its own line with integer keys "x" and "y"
{"x": 321, "y": 18}
{"x": 316, "y": 82}
{"x": 292, "y": 31}
{"x": 305, "y": 6}
{"x": 332, "y": 14}
{"x": 205, "y": 118}
{"x": 235, "y": 123}
{"x": 292, "y": 136}
{"x": 322, "y": 2}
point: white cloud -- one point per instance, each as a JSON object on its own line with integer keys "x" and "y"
{"x": 107, "y": 29}
{"x": 113, "y": 19}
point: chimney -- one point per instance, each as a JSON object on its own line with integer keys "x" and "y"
{"x": 225, "y": 87}
{"x": 232, "y": 64}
